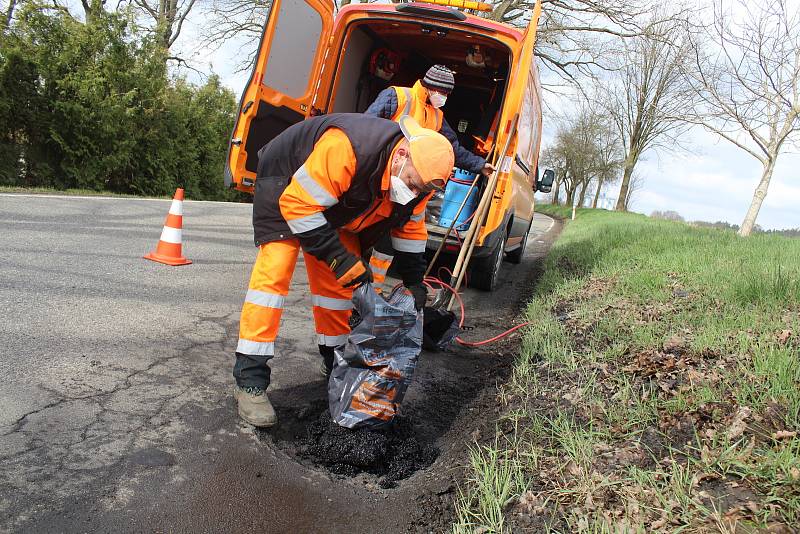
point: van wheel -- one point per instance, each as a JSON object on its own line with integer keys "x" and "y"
{"x": 515, "y": 256}
{"x": 485, "y": 271}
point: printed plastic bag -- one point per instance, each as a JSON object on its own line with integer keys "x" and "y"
{"x": 372, "y": 371}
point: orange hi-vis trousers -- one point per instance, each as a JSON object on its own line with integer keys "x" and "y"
{"x": 269, "y": 285}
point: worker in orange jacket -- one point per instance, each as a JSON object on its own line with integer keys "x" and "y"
{"x": 423, "y": 102}
{"x": 333, "y": 186}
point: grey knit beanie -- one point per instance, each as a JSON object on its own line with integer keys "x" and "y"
{"x": 439, "y": 77}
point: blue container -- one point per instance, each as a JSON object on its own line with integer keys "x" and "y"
{"x": 454, "y": 194}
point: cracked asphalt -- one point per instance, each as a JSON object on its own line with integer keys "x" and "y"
{"x": 105, "y": 353}
{"x": 115, "y": 405}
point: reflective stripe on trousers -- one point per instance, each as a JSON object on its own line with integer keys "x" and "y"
{"x": 269, "y": 285}
{"x": 379, "y": 264}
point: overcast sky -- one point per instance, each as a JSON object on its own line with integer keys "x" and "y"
{"x": 715, "y": 182}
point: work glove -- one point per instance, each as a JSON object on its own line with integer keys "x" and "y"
{"x": 420, "y": 293}
{"x": 351, "y": 271}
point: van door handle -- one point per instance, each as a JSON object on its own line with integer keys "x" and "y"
{"x": 247, "y": 106}
{"x": 522, "y": 164}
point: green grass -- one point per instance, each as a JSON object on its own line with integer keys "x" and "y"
{"x": 657, "y": 388}
{"x": 93, "y": 193}
{"x": 66, "y": 192}
{"x": 497, "y": 480}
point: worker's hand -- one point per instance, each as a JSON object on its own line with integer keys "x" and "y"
{"x": 420, "y": 293}
{"x": 351, "y": 271}
{"x": 488, "y": 169}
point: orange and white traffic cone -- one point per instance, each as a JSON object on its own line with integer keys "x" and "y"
{"x": 169, "y": 246}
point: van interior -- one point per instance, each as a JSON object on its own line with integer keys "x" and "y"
{"x": 379, "y": 54}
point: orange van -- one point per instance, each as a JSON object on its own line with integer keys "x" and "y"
{"x": 312, "y": 60}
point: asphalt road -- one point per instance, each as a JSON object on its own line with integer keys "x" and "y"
{"x": 115, "y": 391}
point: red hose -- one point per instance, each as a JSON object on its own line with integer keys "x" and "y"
{"x": 432, "y": 280}
{"x": 495, "y": 338}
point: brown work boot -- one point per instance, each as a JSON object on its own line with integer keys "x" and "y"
{"x": 254, "y": 406}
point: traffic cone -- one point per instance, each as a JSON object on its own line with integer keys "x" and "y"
{"x": 169, "y": 246}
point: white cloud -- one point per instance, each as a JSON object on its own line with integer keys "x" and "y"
{"x": 717, "y": 183}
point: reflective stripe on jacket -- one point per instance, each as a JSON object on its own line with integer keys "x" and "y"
{"x": 369, "y": 142}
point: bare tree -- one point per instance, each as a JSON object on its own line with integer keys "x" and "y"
{"x": 609, "y": 160}
{"x": 582, "y": 152}
{"x": 574, "y": 35}
{"x": 748, "y": 80}
{"x": 636, "y": 184}
{"x": 648, "y": 98}
{"x": 237, "y": 19}
{"x": 167, "y": 16}
{"x": 669, "y": 215}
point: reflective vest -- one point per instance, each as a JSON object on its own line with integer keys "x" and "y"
{"x": 372, "y": 140}
{"x": 413, "y": 101}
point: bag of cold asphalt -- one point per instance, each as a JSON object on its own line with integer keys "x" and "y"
{"x": 373, "y": 370}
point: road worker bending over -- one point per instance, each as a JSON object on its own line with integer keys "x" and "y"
{"x": 334, "y": 186}
{"x": 423, "y": 102}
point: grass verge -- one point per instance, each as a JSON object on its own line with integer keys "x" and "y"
{"x": 658, "y": 389}
{"x": 65, "y": 192}
{"x": 232, "y": 196}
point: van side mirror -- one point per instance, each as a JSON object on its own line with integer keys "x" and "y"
{"x": 545, "y": 182}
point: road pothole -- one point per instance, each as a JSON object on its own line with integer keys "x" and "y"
{"x": 392, "y": 454}
{"x": 440, "y": 396}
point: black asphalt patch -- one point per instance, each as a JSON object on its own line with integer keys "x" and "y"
{"x": 393, "y": 454}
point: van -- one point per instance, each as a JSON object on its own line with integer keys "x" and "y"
{"x": 312, "y": 60}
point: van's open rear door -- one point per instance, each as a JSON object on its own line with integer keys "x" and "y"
{"x": 282, "y": 84}
{"x": 511, "y": 109}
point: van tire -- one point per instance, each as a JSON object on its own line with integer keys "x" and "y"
{"x": 485, "y": 272}
{"x": 516, "y": 255}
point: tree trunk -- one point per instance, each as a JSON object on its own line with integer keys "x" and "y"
{"x": 571, "y": 188}
{"x": 9, "y": 14}
{"x": 582, "y": 196}
{"x": 628, "y": 197}
{"x": 597, "y": 193}
{"x": 556, "y": 188}
{"x": 92, "y": 9}
{"x": 758, "y": 198}
{"x": 622, "y": 199}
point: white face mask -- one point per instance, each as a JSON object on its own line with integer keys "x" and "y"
{"x": 437, "y": 100}
{"x": 399, "y": 191}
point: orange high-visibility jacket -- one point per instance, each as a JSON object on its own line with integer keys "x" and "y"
{"x": 412, "y": 101}
{"x": 338, "y": 178}
{"x": 395, "y": 102}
